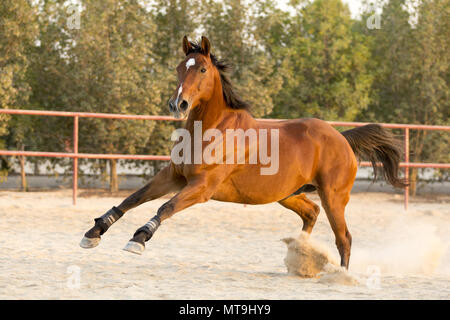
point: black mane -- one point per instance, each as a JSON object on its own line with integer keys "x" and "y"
{"x": 232, "y": 99}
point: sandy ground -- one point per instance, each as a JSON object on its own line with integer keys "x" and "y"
{"x": 219, "y": 251}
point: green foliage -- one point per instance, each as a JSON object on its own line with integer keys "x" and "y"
{"x": 111, "y": 70}
{"x": 17, "y": 32}
{"x": 173, "y": 19}
{"x": 411, "y": 74}
{"x": 324, "y": 68}
{"x": 235, "y": 39}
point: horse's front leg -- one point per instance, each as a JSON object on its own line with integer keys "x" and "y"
{"x": 195, "y": 192}
{"x": 163, "y": 183}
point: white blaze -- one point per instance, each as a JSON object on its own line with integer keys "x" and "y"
{"x": 190, "y": 63}
{"x": 180, "y": 89}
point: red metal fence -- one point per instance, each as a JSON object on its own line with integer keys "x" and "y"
{"x": 75, "y": 155}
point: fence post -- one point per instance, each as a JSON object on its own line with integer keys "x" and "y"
{"x": 75, "y": 160}
{"x": 406, "y": 167}
{"x": 23, "y": 176}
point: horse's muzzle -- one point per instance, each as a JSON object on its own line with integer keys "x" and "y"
{"x": 180, "y": 111}
{"x": 184, "y": 106}
{"x": 172, "y": 106}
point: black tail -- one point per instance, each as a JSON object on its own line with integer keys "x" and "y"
{"x": 378, "y": 145}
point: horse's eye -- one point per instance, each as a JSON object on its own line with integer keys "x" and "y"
{"x": 203, "y": 70}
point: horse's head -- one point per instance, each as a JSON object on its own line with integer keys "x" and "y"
{"x": 196, "y": 78}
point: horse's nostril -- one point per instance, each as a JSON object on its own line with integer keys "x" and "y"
{"x": 171, "y": 106}
{"x": 183, "y": 105}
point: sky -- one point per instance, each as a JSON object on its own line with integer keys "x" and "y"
{"x": 354, "y": 5}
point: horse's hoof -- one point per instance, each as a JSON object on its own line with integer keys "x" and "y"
{"x": 88, "y": 243}
{"x": 134, "y": 247}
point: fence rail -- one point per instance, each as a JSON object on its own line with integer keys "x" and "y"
{"x": 75, "y": 155}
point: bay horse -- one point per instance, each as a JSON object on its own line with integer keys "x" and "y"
{"x": 312, "y": 155}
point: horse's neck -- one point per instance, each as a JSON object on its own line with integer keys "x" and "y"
{"x": 210, "y": 113}
{"x": 215, "y": 113}
{"x": 220, "y": 117}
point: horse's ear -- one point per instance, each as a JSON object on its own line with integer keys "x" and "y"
{"x": 186, "y": 45}
{"x": 206, "y": 46}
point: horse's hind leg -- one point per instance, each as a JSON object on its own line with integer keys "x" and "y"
{"x": 163, "y": 183}
{"x": 334, "y": 203}
{"x": 305, "y": 208}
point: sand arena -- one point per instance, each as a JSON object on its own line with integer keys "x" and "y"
{"x": 222, "y": 251}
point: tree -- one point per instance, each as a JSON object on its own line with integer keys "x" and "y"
{"x": 234, "y": 39}
{"x": 173, "y": 19}
{"x": 430, "y": 103}
{"x": 17, "y": 33}
{"x": 112, "y": 69}
{"x": 324, "y": 74}
{"x": 411, "y": 75}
